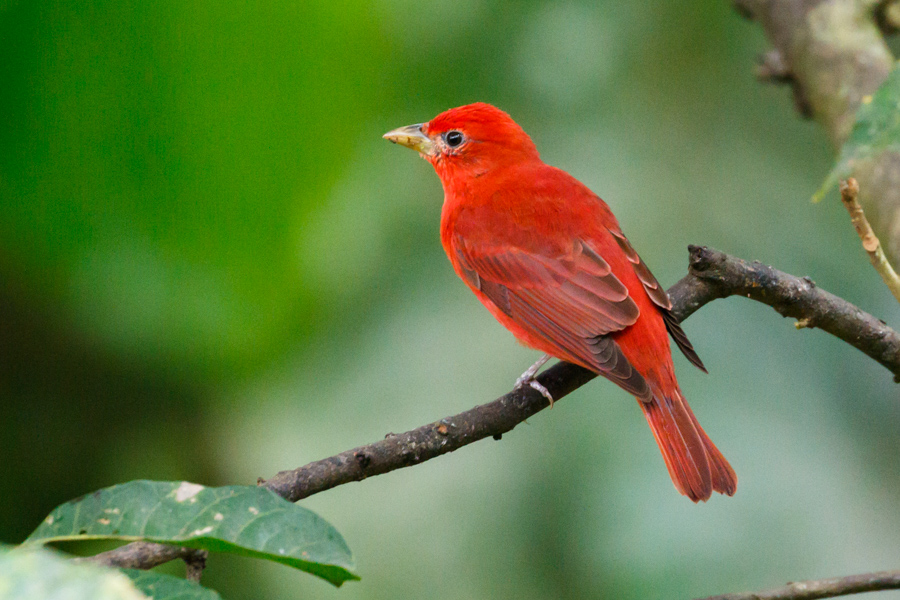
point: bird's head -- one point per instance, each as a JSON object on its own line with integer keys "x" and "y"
{"x": 471, "y": 139}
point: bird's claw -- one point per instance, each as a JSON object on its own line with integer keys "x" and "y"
{"x": 530, "y": 381}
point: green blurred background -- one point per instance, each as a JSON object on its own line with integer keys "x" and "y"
{"x": 213, "y": 268}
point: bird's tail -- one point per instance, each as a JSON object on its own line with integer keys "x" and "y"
{"x": 695, "y": 464}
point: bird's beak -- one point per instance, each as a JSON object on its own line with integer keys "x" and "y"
{"x": 411, "y": 136}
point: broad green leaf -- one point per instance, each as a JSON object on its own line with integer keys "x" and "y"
{"x": 165, "y": 587}
{"x": 875, "y": 131}
{"x": 245, "y": 520}
{"x": 38, "y": 574}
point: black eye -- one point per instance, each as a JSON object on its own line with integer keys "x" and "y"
{"x": 453, "y": 138}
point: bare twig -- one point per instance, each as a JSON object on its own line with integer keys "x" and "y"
{"x": 823, "y": 588}
{"x": 712, "y": 275}
{"x": 194, "y": 564}
{"x": 146, "y": 555}
{"x": 870, "y": 242}
{"x": 772, "y": 68}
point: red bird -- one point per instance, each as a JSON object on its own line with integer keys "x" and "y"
{"x": 547, "y": 257}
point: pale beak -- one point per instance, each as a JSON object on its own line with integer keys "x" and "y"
{"x": 411, "y": 136}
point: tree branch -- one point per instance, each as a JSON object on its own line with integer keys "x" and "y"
{"x": 429, "y": 441}
{"x": 712, "y": 274}
{"x": 146, "y": 555}
{"x": 831, "y": 50}
{"x": 823, "y": 588}
{"x": 834, "y": 55}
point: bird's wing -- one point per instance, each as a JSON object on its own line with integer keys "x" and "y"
{"x": 659, "y": 297}
{"x": 570, "y": 302}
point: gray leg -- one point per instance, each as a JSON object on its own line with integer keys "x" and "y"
{"x": 528, "y": 379}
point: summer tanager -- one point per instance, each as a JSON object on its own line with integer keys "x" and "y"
{"x": 547, "y": 257}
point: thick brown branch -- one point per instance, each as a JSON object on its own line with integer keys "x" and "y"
{"x": 833, "y": 51}
{"x": 712, "y": 275}
{"x": 835, "y": 57}
{"x": 823, "y": 588}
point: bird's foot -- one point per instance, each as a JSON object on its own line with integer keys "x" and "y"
{"x": 527, "y": 379}
{"x": 522, "y": 382}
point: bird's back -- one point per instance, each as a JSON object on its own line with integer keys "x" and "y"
{"x": 543, "y": 210}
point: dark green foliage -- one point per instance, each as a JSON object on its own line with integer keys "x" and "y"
{"x": 245, "y": 520}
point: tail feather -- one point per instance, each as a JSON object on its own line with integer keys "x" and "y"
{"x": 696, "y": 466}
{"x": 724, "y": 479}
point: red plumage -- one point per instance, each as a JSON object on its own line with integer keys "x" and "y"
{"x": 547, "y": 257}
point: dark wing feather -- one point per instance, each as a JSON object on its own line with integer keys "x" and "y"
{"x": 659, "y": 297}
{"x": 681, "y": 340}
{"x": 570, "y": 302}
{"x": 651, "y": 285}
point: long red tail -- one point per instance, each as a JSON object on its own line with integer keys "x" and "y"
{"x": 695, "y": 464}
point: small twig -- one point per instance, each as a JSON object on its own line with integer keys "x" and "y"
{"x": 773, "y": 68}
{"x": 194, "y": 564}
{"x": 823, "y": 588}
{"x": 146, "y": 555}
{"x": 870, "y": 242}
{"x": 712, "y": 275}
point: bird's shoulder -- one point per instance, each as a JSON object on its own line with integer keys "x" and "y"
{"x": 535, "y": 210}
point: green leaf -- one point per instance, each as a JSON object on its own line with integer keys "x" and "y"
{"x": 166, "y": 587}
{"x": 876, "y": 130}
{"x": 38, "y": 574}
{"x": 245, "y": 520}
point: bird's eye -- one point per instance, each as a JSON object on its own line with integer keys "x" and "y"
{"x": 453, "y": 138}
